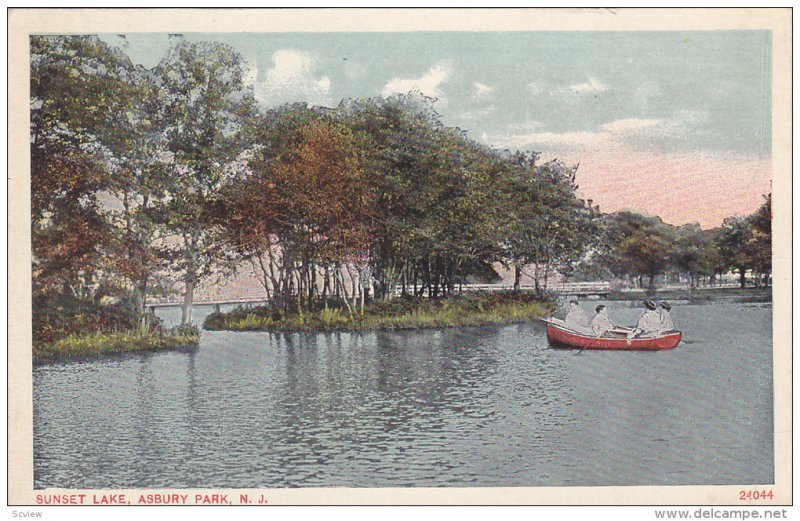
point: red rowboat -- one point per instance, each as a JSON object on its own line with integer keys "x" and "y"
{"x": 560, "y": 336}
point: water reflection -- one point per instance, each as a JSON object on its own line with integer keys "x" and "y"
{"x": 489, "y": 406}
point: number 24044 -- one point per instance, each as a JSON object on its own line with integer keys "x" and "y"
{"x": 745, "y": 495}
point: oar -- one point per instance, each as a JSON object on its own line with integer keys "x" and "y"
{"x": 582, "y": 349}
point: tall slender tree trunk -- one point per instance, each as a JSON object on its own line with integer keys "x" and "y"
{"x": 191, "y": 277}
{"x": 141, "y": 303}
{"x": 340, "y": 282}
{"x": 325, "y": 286}
{"x": 546, "y": 273}
{"x": 517, "y": 276}
{"x": 742, "y": 278}
{"x": 188, "y": 300}
{"x": 299, "y": 292}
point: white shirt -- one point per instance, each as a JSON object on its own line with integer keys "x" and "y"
{"x": 577, "y": 320}
{"x": 666, "y": 321}
{"x": 650, "y": 322}
{"x": 601, "y": 324}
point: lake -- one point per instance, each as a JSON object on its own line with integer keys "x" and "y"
{"x": 490, "y": 406}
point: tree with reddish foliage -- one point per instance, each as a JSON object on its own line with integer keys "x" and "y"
{"x": 303, "y": 200}
{"x": 80, "y": 97}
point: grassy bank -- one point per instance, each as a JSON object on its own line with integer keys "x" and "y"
{"x": 106, "y": 342}
{"x": 400, "y": 313}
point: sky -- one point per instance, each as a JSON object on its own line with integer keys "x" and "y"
{"x": 675, "y": 124}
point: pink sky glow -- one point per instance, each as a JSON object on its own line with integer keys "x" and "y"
{"x": 679, "y": 187}
{"x": 699, "y": 186}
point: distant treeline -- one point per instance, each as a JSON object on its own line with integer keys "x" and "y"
{"x": 142, "y": 175}
{"x": 640, "y": 248}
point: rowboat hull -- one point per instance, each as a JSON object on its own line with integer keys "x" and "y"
{"x": 564, "y": 338}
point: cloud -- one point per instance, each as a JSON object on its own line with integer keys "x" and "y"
{"x": 482, "y": 90}
{"x": 531, "y": 125}
{"x": 536, "y": 87}
{"x": 680, "y": 127}
{"x": 623, "y": 126}
{"x": 428, "y": 84}
{"x": 292, "y": 79}
{"x": 478, "y": 114}
{"x": 593, "y": 86}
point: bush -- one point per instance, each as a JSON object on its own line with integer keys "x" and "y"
{"x": 57, "y": 316}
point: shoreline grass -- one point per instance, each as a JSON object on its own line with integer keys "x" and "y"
{"x": 399, "y": 314}
{"x": 88, "y": 345}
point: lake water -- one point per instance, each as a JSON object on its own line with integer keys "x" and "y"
{"x": 491, "y": 406}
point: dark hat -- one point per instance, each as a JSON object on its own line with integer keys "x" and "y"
{"x": 573, "y": 301}
{"x": 666, "y": 305}
{"x": 599, "y": 308}
{"x": 649, "y": 304}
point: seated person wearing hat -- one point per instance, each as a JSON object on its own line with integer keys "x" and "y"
{"x": 649, "y": 323}
{"x": 666, "y": 320}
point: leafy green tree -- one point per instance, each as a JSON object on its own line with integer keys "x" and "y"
{"x": 397, "y": 136}
{"x": 639, "y": 246}
{"x": 547, "y": 225}
{"x": 462, "y": 229}
{"x": 693, "y": 253}
{"x": 734, "y": 239}
{"x": 203, "y": 103}
{"x": 761, "y": 245}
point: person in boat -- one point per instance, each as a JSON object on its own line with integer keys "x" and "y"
{"x": 601, "y": 324}
{"x": 666, "y": 320}
{"x": 649, "y": 323}
{"x": 577, "y": 320}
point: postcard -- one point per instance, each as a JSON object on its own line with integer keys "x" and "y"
{"x": 400, "y": 256}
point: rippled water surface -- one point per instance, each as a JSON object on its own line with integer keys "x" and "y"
{"x": 462, "y": 407}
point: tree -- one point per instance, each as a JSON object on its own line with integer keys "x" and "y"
{"x": 693, "y": 253}
{"x": 304, "y": 196}
{"x": 761, "y": 243}
{"x": 203, "y": 103}
{"x": 397, "y": 138}
{"x": 546, "y": 224}
{"x": 735, "y": 238}
{"x": 73, "y": 130}
{"x": 638, "y": 246}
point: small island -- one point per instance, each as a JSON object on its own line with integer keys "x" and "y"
{"x": 397, "y": 314}
{"x": 80, "y": 346}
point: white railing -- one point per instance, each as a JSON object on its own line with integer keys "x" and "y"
{"x": 568, "y": 288}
